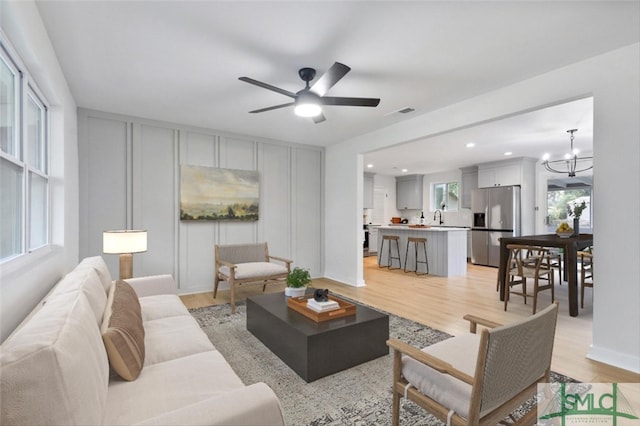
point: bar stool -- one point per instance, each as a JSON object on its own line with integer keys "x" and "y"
{"x": 390, "y": 258}
{"x": 416, "y": 241}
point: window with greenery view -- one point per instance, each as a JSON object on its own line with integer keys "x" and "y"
{"x": 558, "y": 201}
{"x": 445, "y": 196}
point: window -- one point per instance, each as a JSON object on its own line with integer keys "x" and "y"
{"x": 24, "y": 163}
{"x": 563, "y": 193}
{"x": 445, "y": 196}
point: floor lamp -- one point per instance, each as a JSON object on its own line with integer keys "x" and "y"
{"x": 124, "y": 243}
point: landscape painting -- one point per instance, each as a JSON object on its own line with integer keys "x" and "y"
{"x": 209, "y": 193}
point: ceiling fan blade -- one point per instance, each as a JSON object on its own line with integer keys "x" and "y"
{"x": 271, "y": 108}
{"x": 329, "y": 78}
{"x": 319, "y": 118}
{"x": 267, "y": 86}
{"x": 366, "y": 102}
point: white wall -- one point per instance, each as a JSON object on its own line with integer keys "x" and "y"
{"x": 24, "y": 281}
{"x": 614, "y": 81}
{"x": 130, "y": 170}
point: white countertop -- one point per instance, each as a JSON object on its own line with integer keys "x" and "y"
{"x": 427, "y": 228}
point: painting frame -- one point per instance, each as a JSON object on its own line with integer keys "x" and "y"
{"x": 219, "y": 194}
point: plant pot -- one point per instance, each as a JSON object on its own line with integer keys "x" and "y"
{"x": 576, "y": 227}
{"x": 295, "y": 291}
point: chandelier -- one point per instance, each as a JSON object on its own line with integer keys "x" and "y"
{"x": 571, "y": 163}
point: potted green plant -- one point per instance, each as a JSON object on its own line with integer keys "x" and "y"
{"x": 297, "y": 281}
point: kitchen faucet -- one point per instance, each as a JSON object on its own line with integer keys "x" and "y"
{"x": 436, "y": 213}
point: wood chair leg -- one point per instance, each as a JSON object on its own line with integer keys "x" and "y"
{"x": 535, "y": 294}
{"x": 395, "y": 413}
{"x": 216, "y": 280}
{"x": 397, "y": 368}
{"x": 232, "y": 286}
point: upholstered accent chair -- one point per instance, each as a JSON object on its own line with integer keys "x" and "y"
{"x": 477, "y": 379}
{"x": 247, "y": 264}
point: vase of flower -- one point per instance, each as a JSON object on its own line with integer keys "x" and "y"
{"x": 576, "y": 212}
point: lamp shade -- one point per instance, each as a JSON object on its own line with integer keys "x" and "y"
{"x": 126, "y": 241}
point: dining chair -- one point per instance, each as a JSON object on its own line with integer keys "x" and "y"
{"x": 586, "y": 272}
{"x": 553, "y": 260}
{"x": 526, "y": 262}
{"x": 477, "y": 379}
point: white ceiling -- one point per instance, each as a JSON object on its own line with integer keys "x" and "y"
{"x": 179, "y": 61}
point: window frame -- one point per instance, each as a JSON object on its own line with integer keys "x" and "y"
{"x": 434, "y": 203}
{"x": 28, "y": 91}
{"x": 551, "y": 226}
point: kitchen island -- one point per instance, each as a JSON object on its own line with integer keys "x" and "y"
{"x": 446, "y": 248}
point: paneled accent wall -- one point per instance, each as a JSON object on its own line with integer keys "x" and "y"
{"x": 130, "y": 179}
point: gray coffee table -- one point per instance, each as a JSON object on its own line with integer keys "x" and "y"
{"x": 314, "y": 350}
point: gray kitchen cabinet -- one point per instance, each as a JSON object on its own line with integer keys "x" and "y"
{"x": 469, "y": 182}
{"x": 409, "y": 192}
{"x": 367, "y": 202}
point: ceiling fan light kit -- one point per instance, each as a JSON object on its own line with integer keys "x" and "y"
{"x": 307, "y": 104}
{"x": 568, "y": 165}
{"x": 308, "y": 101}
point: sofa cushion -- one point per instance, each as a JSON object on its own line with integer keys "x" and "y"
{"x": 122, "y": 331}
{"x": 98, "y": 264}
{"x": 85, "y": 280}
{"x": 162, "y": 306}
{"x": 461, "y": 352}
{"x": 173, "y": 337}
{"x": 168, "y": 386}
{"x": 255, "y": 270}
{"x": 54, "y": 369}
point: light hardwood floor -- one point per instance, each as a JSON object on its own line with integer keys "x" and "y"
{"x": 441, "y": 302}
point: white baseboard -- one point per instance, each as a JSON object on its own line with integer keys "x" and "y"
{"x": 360, "y": 284}
{"x": 616, "y": 359}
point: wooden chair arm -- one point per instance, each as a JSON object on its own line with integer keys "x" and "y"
{"x": 429, "y": 360}
{"x": 474, "y": 321}
{"x": 231, "y": 266}
{"x": 282, "y": 259}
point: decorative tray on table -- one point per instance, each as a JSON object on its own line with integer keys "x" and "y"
{"x": 299, "y": 304}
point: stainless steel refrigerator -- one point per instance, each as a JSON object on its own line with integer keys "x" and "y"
{"x": 496, "y": 213}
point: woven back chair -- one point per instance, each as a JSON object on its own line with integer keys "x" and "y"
{"x": 528, "y": 262}
{"x": 251, "y": 263}
{"x": 477, "y": 379}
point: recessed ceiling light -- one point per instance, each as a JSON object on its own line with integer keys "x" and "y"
{"x": 404, "y": 170}
{"x": 369, "y": 166}
{"x": 508, "y": 153}
{"x": 470, "y": 145}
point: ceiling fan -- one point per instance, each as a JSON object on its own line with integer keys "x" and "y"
{"x": 309, "y": 100}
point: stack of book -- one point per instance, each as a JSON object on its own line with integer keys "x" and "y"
{"x": 316, "y": 306}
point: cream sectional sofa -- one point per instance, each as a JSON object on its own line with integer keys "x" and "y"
{"x": 55, "y": 370}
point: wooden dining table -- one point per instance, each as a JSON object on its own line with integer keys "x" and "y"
{"x": 570, "y": 247}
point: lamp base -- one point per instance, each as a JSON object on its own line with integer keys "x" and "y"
{"x": 126, "y": 266}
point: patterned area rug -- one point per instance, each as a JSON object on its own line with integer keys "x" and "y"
{"x": 358, "y": 396}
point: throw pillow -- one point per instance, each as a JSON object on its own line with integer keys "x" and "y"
{"x": 122, "y": 331}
